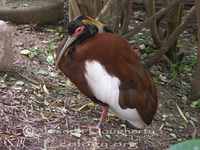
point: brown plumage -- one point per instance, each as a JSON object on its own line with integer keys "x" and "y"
{"x": 117, "y": 65}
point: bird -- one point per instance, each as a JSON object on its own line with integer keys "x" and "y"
{"x": 106, "y": 69}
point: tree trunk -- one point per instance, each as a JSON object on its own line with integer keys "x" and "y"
{"x": 113, "y": 16}
{"x": 195, "y": 86}
{"x": 173, "y": 37}
{"x": 173, "y": 20}
{"x": 127, "y": 16}
{"x": 73, "y": 9}
{"x": 105, "y": 9}
{"x": 153, "y": 25}
{"x": 156, "y": 16}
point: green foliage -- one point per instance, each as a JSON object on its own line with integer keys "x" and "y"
{"x": 186, "y": 66}
{"x": 148, "y": 49}
{"x": 35, "y": 51}
{"x": 186, "y": 145}
{"x": 194, "y": 104}
{"x": 10, "y": 79}
{"x": 58, "y": 91}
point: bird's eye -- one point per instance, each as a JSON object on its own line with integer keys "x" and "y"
{"x": 79, "y": 29}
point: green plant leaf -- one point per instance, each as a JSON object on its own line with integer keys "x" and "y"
{"x": 193, "y": 119}
{"x": 49, "y": 59}
{"x": 58, "y": 91}
{"x": 53, "y": 48}
{"x": 186, "y": 145}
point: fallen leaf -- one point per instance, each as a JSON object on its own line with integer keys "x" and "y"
{"x": 51, "y": 131}
{"x": 173, "y": 135}
{"x": 53, "y": 74}
{"x": 19, "y": 83}
{"x": 35, "y": 86}
{"x": 48, "y": 85}
{"x": 57, "y": 104}
{"x": 181, "y": 113}
{"x": 49, "y": 59}
{"x": 161, "y": 126}
{"x": 46, "y": 103}
{"x": 79, "y": 96}
{"x": 187, "y": 114}
{"x": 76, "y": 134}
{"x": 73, "y": 101}
{"x": 86, "y": 105}
{"x": 193, "y": 134}
{"x": 45, "y": 89}
{"x": 69, "y": 83}
{"x": 43, "y": 115}
{"x": 45, "y": 42}
{"x": 25, "y": 52}
{"x": 43, "y": 72}
{"x": 108, "y": 136}
{"x": 132, "y": 144}
{"x": 26, "y": 5}
{"x": 193, "y": 119}
{"x": 142, "y": 46}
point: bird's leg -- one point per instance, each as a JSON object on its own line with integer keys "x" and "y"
{"x": 100, "y": 124}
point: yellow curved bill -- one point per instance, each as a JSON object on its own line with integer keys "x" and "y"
{"x": 65, "y": 47}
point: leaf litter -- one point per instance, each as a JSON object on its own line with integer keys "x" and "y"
{"x": 40, "y": 109}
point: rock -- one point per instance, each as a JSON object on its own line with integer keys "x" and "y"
{"x": 6, "y": 51}
{"x": 32, "y": 11}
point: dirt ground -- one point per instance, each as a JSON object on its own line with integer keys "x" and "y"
{"x": 41, "y": 110}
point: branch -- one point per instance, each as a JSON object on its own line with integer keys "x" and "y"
{"x": 97, "y": 6}
{"x": 117, "y": 17}
{"x": 153, "y": 26}
{"x": 174, "y": 36}
{"x": 127, "y": 18}
{"x": 71, "y": 13}
{"x": 159, "y": 14}
{"x": 105, "y": 10}
{"x": 75, "y": 7}
{"x": 89, "y": 7}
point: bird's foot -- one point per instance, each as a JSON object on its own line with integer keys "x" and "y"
{"x": 93, "y": 128}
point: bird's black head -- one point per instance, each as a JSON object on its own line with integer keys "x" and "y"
{"x": 81, "y": 28}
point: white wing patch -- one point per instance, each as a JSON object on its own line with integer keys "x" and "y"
{"x": 106, "y": 89}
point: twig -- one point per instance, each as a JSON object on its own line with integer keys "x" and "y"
{"x": 104, "y": 10}
{"x": 27, "y": 78}
{"x": 9, "y": 142}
